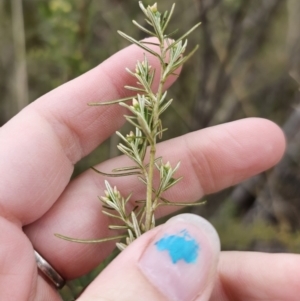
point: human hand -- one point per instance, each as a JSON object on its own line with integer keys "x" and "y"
{"x": 38, "y": 149}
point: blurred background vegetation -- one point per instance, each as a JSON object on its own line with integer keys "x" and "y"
{"x": 248, "y": 65}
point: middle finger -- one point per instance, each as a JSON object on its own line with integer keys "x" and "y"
{"x": 212, "y": 159}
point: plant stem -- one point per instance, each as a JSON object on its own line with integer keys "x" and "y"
{"x": 149, "y": 201}
{"x": 149, "y": 207}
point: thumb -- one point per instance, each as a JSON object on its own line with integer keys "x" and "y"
{"x": 176, "y": 261}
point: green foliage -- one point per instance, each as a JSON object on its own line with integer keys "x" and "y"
{"x": 146, "y": 109}
{"x": 260, "y": 236}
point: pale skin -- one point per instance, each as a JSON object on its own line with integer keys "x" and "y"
{"x": 38, "y": 149}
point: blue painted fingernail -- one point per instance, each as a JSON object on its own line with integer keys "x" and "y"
{"x": 180, "y": 246}
{"x": 180, "y": 259}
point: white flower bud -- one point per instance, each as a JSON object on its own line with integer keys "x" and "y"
{"x": 130, "y": 137}
{"x": 135, "y": 103}
{"x": 117, "y": 193}
{"x": 167, "y": 165}
{"x": 137, "y": 70}
{"x": 153, "y": 8}
{"x": 105, "y": 199}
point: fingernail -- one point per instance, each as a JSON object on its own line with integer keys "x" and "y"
{"x": 181, "y": 259}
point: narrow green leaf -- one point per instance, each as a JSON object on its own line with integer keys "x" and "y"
{"x": 106, "y": 103}
{"x": 164, "y": 18}
{"x": 168, "y": 203}
{"x": 125, "y": 168}
{"x": 131, "y": 88}
{"x": 135, "y": 223}
{"x": 165, "y": 106}
{"x": 125, "y": 152}
{"x": 143, "y": 150}
{"x": 127, "y": 199}
{"x": 190, "y": 54}
{"x": 172, "y": 184}
{"x": 109, "y": 189}
{"x": 112, "y": 215}
{"x": 169, "y": 17}
{"x": 159, "y": 133}
{"x": 151, "y": 77}
{"x": 112, "y": 205}
{"x": 123, "y": 138}
{"x": 128, "y": 149}
{"x": 145, "y": 127}
{"x": 117, "y": 227}
{"x": 89, "y": 241}
{"x": 143, "y": 8}
{"x": 142, "y": 180}
{"x": 130, "y": 108}
{"x": 130, "y": 72}
{"x": 121, "y": 246}
{"x": 150, "y": 43}
{"x": 167, "y": 36}
{"x": 115, "y": 174}
{"x": 106, "y": 207}
{"x": 131, "y": 236}
{"x": 185, "y": 35}
{"x": 181, "y": 62}
{"x": 149, "y": 22}
{"x": 156, "y": 25}
{"x": 132, "y": 40}
{"x": 163, "y": 97}
{"x": 140, "y": 201}
{"x": 143, "y": 81}
{"x": 129, "y": 119}
{"x": 143, "y": 28}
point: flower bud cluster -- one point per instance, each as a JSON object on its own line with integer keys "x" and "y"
{"x": 167, "y": 179}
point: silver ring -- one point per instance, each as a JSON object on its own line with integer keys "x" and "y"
{"x": 49, "y": 271}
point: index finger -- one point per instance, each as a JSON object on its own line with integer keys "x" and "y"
{"x": 40, "y": 145}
